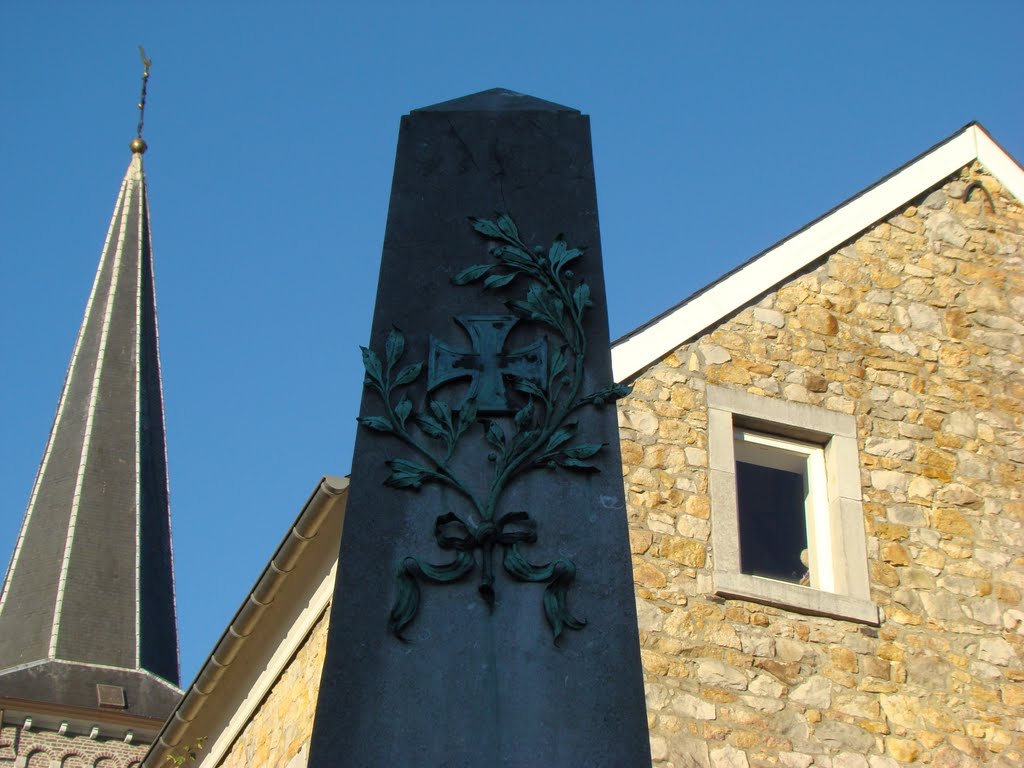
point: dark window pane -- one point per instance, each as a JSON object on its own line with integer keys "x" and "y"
{"x": 772, "y": 522}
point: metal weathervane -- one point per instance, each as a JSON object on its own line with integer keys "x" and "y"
{"x": 138, "y": 144}
{"x": 146, "y": 64}
{"x": 540, "y": 434}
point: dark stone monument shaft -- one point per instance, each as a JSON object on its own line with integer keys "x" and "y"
{"x": 484, "y": 612}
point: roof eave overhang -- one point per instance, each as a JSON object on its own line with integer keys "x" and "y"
{"x": 143, "y": 727}
{"x": 244, "y": 627}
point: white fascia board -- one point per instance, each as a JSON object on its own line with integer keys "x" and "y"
{"x": 1001, "y": 165}
{"x": 274, "y": 667}
{"x": 721, "y": 299}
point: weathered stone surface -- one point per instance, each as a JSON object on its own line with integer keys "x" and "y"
{"x": 644, "y": 422}
{"x": 919, "y": 339}
{"x": 659, "y": 749}
{"x": 996, "y": 650}
{"x": 901, "y": 709}
{"x": 942, "y": 226}
{"x": 898, "y": 342}
{"x": 849, "y": 760}
{"x": 924, "y": 318}
{"x": 786, "y": 672}
{"x": 795, "y": 759}
{"x": 928, "y": 672}
{"x": 648, "y": 575}
{"x": 683, "y": 551}
{"x": 817, "y": 320}
{"x": 843, "y": 736}
{"x": 714, "y": 354}
{"x": 693, "y": 707}
{"x": 815, "y": 692}
{"x": 640, "y": 540}
{"x": 718, "y": 674}
{"x": 769, "y": 316}
{"x": 890, "y": 481}
{"x": 951, "y": 521}
{"x": 950, "y": 757}
{"x": 958, "y": 494}
{"x": 690, "y": 753}
{"x": 903, "y": 750}
{"x": 728, "y": 757}
{"x": 880, "y": 446}
{"x": 863, "y": 706}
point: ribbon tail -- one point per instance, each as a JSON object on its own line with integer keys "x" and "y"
{"x": 412, "y": 569}
{"x": 407, "y": 599}
{"x": 560, "y": 575}
{"x": 555, "y": 608}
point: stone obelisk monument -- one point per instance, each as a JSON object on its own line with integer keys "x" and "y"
{"x": 483, "y": 613}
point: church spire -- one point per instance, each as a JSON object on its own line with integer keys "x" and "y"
{"x": 88, "y": 598}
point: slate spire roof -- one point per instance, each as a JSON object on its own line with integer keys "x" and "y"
{"x": 89, "y": 595}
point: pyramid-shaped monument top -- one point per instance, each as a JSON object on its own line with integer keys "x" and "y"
{"x": 497, "y": 100}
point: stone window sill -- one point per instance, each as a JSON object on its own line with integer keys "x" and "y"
{"x": 795, "y": 597}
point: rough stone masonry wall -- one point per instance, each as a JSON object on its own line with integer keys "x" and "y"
{"x": 915, "y": 328}
{"x": 278, "y": 733}
{"x": 48, "y": 749}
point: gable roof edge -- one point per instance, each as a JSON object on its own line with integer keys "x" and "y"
{"x": 320, "y": 513}
{"x": 703, "y": 309}
{"x": 1000, "y": 163}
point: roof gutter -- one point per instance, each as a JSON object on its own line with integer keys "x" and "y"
{"x": 245, "y": 620}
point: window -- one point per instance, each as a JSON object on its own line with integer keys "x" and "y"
{"x": 779, "y": 486}
{"x": 788, "y": 522}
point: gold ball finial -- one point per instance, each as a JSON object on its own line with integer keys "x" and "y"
{"x": 138, "y": 146}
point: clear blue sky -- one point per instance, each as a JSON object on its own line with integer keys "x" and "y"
{"x": 718, "y": 128}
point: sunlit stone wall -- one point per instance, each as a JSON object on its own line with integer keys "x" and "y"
{"x": 916, "y": 329}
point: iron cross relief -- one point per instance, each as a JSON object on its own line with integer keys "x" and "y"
{"x": 486, "y": 363}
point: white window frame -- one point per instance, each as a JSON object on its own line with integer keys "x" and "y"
{"x": 808, "y": 461}
{"x": 840, "y": 585}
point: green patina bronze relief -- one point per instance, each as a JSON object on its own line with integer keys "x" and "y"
{"x": 540, "y": 433}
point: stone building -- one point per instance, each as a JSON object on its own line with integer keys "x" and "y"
{"x": 823, "y": 455}
{"x": 875, "y": 356}
{"x": 88, "y": 639}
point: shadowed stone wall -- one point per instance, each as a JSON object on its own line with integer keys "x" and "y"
{"x": 278, "y": 734}
{"x": 914, "y": 329}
